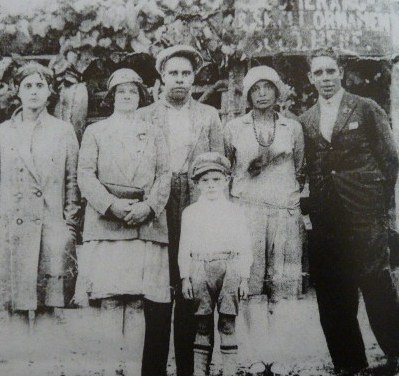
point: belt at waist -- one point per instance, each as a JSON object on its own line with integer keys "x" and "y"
{"x": 226, "y": 255}
{"x": 179, "y": 174}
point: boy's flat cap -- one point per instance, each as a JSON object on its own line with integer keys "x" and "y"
{"x": 210, "y": 161}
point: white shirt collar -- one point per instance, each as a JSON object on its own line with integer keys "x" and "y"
{"x": 204, "y": 201}
{"x": 335, "y": 100}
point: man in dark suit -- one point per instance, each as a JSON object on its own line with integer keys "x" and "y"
{"x": 352, "y": 165}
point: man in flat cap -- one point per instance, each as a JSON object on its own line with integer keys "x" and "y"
{"x": 191, "y": 128}
{"x": 352, "y": 167}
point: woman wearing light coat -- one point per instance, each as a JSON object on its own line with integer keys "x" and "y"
{"x": 125, "y": 253}
{"x": 39, "y": 199}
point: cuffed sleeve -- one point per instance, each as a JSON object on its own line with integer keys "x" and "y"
{"x": 185, "y": 245}
{"x": 299, "y": 154}
{"x": 159, "y": 194}
{"x": 92, "y": 189}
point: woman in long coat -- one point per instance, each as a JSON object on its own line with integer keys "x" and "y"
{"x": 124, "y": 175}
{"x": 266, "y": 151}
{"x": 39, "y": 198}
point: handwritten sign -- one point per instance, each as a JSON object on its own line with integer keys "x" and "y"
{"x": 363, "y": 27}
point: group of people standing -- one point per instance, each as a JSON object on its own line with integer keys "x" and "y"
{"x": 158, "y": 225}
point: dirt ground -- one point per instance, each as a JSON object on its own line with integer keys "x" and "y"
{"x": 76, "y": 343}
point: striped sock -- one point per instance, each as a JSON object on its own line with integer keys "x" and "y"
{"x": 229, "y": 358}
{"x": 202, "y": 355}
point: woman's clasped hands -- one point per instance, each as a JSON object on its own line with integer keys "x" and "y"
{"x": 132, "y": 212}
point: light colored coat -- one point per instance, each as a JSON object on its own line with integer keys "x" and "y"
{"x": 39, "y": 213}
{"x": 131, "y": 154}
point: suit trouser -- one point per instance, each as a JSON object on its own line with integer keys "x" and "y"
{"x": 157, "y": 337}
{"x": 184, "y": 321}
{"x": 344, "y": 258}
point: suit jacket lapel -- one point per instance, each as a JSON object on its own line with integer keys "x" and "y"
{"x": 314, "y": 125}
{"x": 314, "y": 120}
{"x": 135, "y": 144}
{"x": 346, "y": 109}
{"x": 198, "y": 125}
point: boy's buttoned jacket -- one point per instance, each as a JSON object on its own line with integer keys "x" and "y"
{"x": 359, "y": 163}
{"x": 132, "y": 154}
{"x": 39, "y": 208}
{"x": 206, "y": 126}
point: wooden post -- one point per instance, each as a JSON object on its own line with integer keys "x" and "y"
{"x": 232, "y": 105}
{"x": 395, "y": 125}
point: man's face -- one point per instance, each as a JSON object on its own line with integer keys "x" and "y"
{"x": 213, "y": 184}
{"x": 326, "y": 76}
{"x": 34, "y": 92}
{"x": 178, "y": 78}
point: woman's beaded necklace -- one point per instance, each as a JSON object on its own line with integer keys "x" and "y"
{"x": 259, "y": 137}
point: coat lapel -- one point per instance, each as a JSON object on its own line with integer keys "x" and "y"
{"x": 53, "y": 148}
{"x": 135, "y": 145}
{"x": 196, "y": 118}
{"x": 23, "y": 144}
{"x": 346, "y": 109}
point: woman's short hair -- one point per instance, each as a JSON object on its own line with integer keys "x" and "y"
{"x": 33, "y": 68}
{"x": 145, "y": 98}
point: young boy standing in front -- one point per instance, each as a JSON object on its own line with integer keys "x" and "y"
{"x": 214, "y": 260}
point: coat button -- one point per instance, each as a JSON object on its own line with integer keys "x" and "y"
{"x": 331, "y": 148}
{"x": 19, "y": 221}
{"x": 39, "y": 193}
{"x": 333, "y": 172}
{"x": 38, "y": 221}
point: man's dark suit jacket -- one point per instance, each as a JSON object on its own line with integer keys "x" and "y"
{"x": 358, "y": 167}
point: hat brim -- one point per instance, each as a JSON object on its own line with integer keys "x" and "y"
{"x": 203, "y": 170}
{"x": 195, "y": 58}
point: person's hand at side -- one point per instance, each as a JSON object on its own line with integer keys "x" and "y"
{"x": 243, "y": 290}
{"x": 187, "y": 289}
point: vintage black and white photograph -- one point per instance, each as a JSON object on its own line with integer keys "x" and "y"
{"x": 199, "y": 187}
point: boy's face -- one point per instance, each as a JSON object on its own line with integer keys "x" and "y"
{"x": 212, "y": 185}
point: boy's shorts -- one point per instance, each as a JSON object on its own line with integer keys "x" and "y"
{"x": 215, "y": 279}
